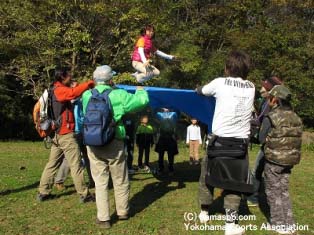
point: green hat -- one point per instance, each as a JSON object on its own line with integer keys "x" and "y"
{"x": 281, "y": 92}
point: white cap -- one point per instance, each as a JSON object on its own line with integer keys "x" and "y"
{"x": 103, "y": 73}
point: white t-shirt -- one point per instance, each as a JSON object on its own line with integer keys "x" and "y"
{"x": 193, "y": 133}
{"x": 234, "y": 105}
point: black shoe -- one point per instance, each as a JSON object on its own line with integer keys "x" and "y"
{"x": 88, "y": 198}
{"x": 160, "y": 171}
{"x": 44, "y": 197}
{"x": 104, "y": 224}
{"x": 123, "y": 217}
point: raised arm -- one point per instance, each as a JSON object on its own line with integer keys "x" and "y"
{"x": 135, "y": 102}
{"x": 209, "y": 89}
{"x": 164, "y": 55}
{"x": 68, "y": 93}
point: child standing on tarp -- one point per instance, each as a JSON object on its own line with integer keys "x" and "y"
{"x": 144, "y": 141}
{"x": 194, "y": 139}
{"x": 143, "y": 50}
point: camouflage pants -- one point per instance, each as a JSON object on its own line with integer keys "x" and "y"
{"x": 206, "y": 193}
{"x": 277, "y": 192}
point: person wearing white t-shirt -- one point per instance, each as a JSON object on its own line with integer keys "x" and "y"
{"x": 194, "y": 139}
{"x": 226, "y": 166}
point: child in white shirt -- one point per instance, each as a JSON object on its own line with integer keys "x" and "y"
{"x": 194, "y": 139}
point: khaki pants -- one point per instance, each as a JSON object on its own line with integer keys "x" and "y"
{"x": 194, "y": 147}
{"x": 68, "y": 146}
{"x": 103, "y": 160}
{"x": 144, "y": 73}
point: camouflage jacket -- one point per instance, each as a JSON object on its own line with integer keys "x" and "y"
{"x": 283, "y": 142}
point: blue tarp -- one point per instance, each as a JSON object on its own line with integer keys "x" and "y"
{"x": 187, "y": 101}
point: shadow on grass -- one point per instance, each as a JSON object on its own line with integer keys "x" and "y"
{"x": 21, "y": 189}
{"x": 218, "y": 204}
{"x": 153, "y": 191}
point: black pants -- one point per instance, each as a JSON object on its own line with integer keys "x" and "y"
{"x": 141, "y": 150}
{"x": 170, "y": 161}
{"x": 129, "y": 145}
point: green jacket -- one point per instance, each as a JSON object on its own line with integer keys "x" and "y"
{"x": 145, "y": 135}
{"x": 142, "y": 129}
{"x": 122, "y": 102}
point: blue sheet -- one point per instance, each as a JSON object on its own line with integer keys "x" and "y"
{"x": 187, "y": 101}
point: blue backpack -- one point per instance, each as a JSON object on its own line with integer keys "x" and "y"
{"x": 98, "y": 124}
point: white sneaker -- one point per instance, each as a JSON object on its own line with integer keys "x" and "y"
{"x": 233, "y": 229}
{"x": 134, "y": 74}
{"x": 203, "y": 216}
{"x": 282, "y": 231}
{"x": 147, "y": 169}
{"x": 278, "y": 229}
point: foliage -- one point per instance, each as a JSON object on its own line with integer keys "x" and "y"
{"x": 38, "y": 36}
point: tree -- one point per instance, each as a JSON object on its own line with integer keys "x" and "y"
{"x": 38, "y": 36}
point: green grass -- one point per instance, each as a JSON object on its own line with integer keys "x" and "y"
{"x": 157, "y": 205}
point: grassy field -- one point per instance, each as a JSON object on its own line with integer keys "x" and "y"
{"x": 158, "y": 205}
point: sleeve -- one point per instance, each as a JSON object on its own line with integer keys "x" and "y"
{"x": 188, "y": 135}
{"x": 137, "y": 135}
{"x": 200, "y": 135}
{"x": 151, "y": 138}
{"x": 137, "y": 130}
{"x": 140, "y": 42}
{"x": 79, "y": 118}
{"x": 265, "y": 129}
{"x": 135, "y": 102}
{"x": 211, "y": 88}
{"x": 142, "y": 54}
{"x": 164, "y": 55}
{"x": 159, "y": 116}
{"x": 67, "y": 93}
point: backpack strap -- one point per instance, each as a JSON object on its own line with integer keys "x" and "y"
{"x": 105, "y": 96}
{"x": 96, "y": 93}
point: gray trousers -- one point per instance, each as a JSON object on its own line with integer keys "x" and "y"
{"x": 64, "y": 169}
{"x": 277, "y": 192}
{"x": 256, "y": 173}
{"x": 206, "y": 194}
{"x": 63, "y": 172}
